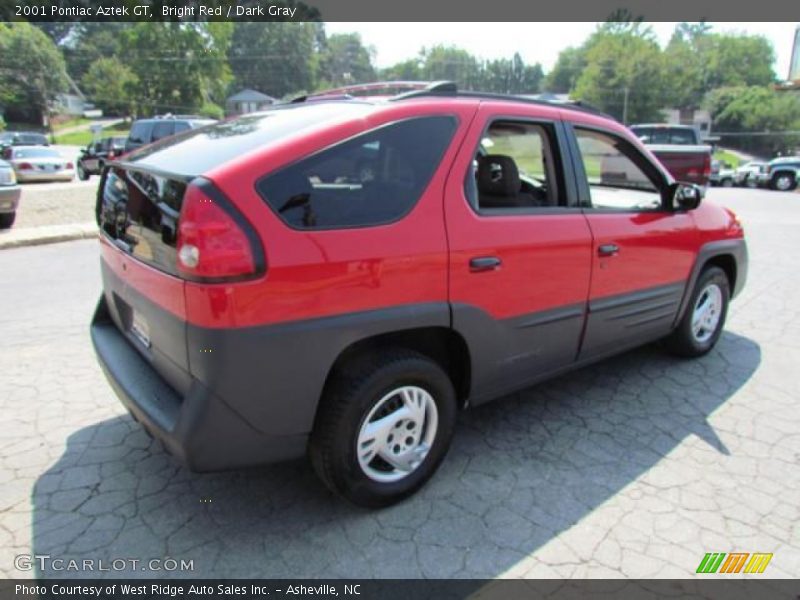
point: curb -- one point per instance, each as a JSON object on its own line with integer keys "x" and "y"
{"x": 50, "y": 234}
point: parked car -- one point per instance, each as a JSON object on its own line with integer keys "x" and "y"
{"x": 747, "y": 173}
{"x": 94, "y": 156}
{"x": 22, "y": 138}
{"x": 37, "y": 163}
{"x": 146, "y": 131}
{"x": 265, "y": 297}
{"x": 722, "y": 174}
{"x": 9, "y": 195}
{"x": 781, "y": 174}
{"x": 678, "y": 149}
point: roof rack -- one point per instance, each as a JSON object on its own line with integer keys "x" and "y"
{"x": 350, "y": 91}
{"x": 421, "y": 89}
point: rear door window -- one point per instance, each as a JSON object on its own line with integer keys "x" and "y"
{"x": 374, "y": 178}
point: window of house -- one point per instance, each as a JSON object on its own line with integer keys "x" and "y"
{"x": 371, "y": 179}
{"x": 617, "y": 174}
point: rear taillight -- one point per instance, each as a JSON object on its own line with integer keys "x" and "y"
{"x": 211, "y": 243}
{"x": 707, "y": 167}
{"x": 110, "y": 155}
{"x": 25, "y": 166}
{"x": 70, "y": 166}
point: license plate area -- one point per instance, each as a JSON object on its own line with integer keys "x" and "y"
{"x": 140, "y": 329}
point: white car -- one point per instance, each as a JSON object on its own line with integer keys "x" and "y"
{"x": 9, "y": 195}
{"x": 747, "y": 174}
{"x": 39, "y": 163}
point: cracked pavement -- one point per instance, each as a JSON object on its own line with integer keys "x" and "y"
{"x": 633, "y": 467}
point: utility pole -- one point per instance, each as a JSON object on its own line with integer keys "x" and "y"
{"x": 625, "y": 106}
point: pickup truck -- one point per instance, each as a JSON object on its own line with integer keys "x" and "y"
{"x": 677, "y": 147}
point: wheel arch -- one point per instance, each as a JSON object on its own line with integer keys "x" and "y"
{"x": 442, "y": 345}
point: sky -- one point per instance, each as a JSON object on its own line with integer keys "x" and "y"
{"x": 536, "y": 42}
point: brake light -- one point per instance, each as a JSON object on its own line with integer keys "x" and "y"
{"x": 110, "y": 155}
{"x": 707, "y": 167}
{"x": 70, "y": 165}
{"x": 25, "y": 166}
{"x": 211, "y": 244}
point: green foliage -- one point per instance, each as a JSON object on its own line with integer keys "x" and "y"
{"x": 564, "y": 75}
{"x": 212, "y": 111}
{"x": 407, "y": 70}
{"x": 345, "y": 60}
{"x": 32, "y": 71}
{"x": 274, "y": 58}
{"x": 756, "y": 109}
{"x": 623, "y": 72}
{"x": 2, "y": 123}
{"x": 112, "y": 86}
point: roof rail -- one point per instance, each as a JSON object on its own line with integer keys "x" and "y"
{"x": 424, "y": 87}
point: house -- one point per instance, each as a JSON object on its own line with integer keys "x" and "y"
{"x": 698, "y": 118}
{"x": 247, "y": 101}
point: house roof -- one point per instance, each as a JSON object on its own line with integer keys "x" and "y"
{"x": 248, "y": 95}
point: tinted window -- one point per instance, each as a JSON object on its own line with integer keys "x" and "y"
{"x": 617, "y": 174}
{"x": 30, "y": 138}
{"x": 142, "y": 211}
{"x": 374, "y": 178}
{"x": 684, "y": 137}
{"x": 163, "y": 129}
{"x": 514, "y": 168}
{"x": 140, "y": 132}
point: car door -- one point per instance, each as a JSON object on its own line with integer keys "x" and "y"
{"x": 643, "y": 250}
{"x": 520, "y": 248}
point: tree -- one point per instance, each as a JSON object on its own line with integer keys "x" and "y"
{"x": 345, "y": 60}
{"x": 32, "y": 71}
{"x": 179, "y": 66}
{"x": 112, "y": 86}
{"x": 275, "y": 58}
{"x": 451, "y": 64}
{"x": 564, "y": 74}
{"x": 511, "y": 76}
{"x": 623, "y": 74}
{"x": 408, "y": 70}
{"x": 756, "y": 109}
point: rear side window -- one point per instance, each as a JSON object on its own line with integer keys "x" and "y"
{"x": 163, "y": 129}
{"x": 374, "y": 178}
{"x": 140, "y": 132}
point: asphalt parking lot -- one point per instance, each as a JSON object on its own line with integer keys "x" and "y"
{"x": 633, "y": 467}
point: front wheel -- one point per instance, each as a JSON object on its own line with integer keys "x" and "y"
{"x": 704, "y": 319}
{"x": 783, "y": 182}
{"x": 383, "y": 427}
{"x": 82, "y": 174}
{"x": 727, "y": 182}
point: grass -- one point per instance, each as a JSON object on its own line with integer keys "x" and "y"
{"x": 70, "y": 123}
{"x": 725, "y": 156}
{"x": 83, "y": 138}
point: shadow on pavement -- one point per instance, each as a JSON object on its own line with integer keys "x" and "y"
{"x": 521, "y": 471}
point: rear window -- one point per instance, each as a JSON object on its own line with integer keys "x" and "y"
{"x": 198, "y": 150}
{"x": 371, "y": 179}
{"x": 36, "y": 153}
{"x": 31, "y": 138}
{"x": 140, "y": 212}
{"x": 140, "y": 132}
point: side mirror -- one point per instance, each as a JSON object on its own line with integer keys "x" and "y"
{"x": 685, "y": 196}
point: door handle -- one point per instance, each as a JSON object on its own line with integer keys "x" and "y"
{"x": 484, "y": 263}
{"x": 608, "y": 250}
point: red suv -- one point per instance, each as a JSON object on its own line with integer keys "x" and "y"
{"x": 340, "y": 276}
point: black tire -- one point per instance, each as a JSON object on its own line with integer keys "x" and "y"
{"x": 7, "y": 220}
{"x": 727, "y": 182}
{"x": 347, "y": 402}
{"x": 778, "y": 179}
{"x": 683, "y": 341}
{"x": 82, "y": 174}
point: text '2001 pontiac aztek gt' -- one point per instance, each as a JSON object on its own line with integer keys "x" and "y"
{"x": 339, "y": 276}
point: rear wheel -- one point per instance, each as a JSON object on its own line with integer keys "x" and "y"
{"x": 704, "y": 319}
{"x": 383, "y": 427}
{"x": 727, "y": 182}
{"x": 783, "y": 182}
{"x": 7, "y": 220}
{"x": 82, "y": 174}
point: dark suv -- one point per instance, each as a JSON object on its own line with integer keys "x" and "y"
{"x": 340, "y": 277}
{"x": 146, "y": 131}
{"x": 94, "y": 157}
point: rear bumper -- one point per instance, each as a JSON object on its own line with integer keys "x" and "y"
{"x": 199, "y": 428}
{"x": 27, "y": 176}
{"x": 9, "y": 198}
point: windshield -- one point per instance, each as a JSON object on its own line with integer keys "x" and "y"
{"x": 36, "y": 153}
